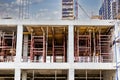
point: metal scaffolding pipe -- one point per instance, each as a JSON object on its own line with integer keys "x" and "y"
{"x": 53, "y": 45}
{"x": 47, "y": 41}
{"x": 44, "y": 48}
{"x": 94, "y": 52}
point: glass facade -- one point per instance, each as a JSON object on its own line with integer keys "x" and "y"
{"x": 105, "y": 10}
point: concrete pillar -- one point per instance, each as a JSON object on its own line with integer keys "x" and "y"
{"x": 71, "y": 75}
{"x": 117, "y": 50}
{"x": 24, "y": 75}
{"x": 71, "y": 44}
{"x": 19, "y": 43}
{"x": 71, "y": 51}
{"x": 25, "y": 49}
{"x": 17, "y": 74}
{"x": 118, "y": 61}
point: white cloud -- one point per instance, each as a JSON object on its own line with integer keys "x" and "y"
{"x": 47, "y": 14}
{"x": 42, "y": 10}
{"x": 18, "y": 2}
{"x": 9, "y": 9}
{"x": 56, "y": 12}
{"x": 36, "y": 1}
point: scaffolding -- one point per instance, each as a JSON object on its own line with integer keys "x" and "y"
{"x": 45, "y": 44}
{"x": 37, "y": 49}
{"x": 7, "y": 46}
{"x": 93, "y": 45}
{"x": 103, "y": 49}
{"x": 59, "y": 50}
{"x": 83, "y": 47}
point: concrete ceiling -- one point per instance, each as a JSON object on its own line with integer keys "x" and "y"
{"x": 6, "y": 28}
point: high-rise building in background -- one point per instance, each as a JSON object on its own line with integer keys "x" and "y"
{"x": 117, "y": 8}
{"x": 69, "y": 9}
{"x": 114, "y": 13}
{"x": 110, "y": 9}
{"x": 105, "y": 10}
{"x": 101, "y": 11}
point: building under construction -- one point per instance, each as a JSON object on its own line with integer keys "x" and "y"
{"x": 59, "y": 50}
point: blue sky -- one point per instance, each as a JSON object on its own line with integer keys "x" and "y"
{"x": 46, "y": 9}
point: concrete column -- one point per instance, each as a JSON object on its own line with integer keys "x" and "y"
{"x": 71, "y": 44}
{"x": 71, "y": 51}
{"x": 117, "y": 50}
{"x": 17, "y": 74}
{"x": 118, "y": 61}
{"x": 25, "y": 49}
{"x": 71, "y": 75}
{"x": 24, "y": 75}
{"x": 19, "y": 43}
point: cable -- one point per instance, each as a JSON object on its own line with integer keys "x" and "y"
{"x": 83, "y": 10}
